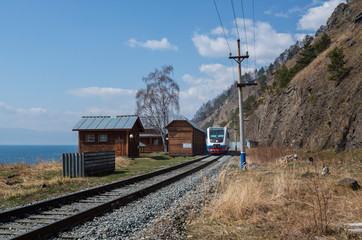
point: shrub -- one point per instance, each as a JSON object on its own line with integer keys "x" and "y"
{"x": 263, "y": 85}
{"x": 282, "y": 77}
{"x": 223, "y": 123}
{"x": 337, "y": 70}
{"x": 313, "y": 100}
{"x": 322, "y": 44}
{"x": 250, "y": 104}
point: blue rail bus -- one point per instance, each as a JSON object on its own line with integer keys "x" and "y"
{"x": 217, "y": 140}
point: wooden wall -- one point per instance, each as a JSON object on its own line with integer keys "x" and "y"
{"x": 150, "y": 148}
{"x": 96, "y": 146}
{"x": 184, "y": 139}
{"x": 199, "y": 141}
{"x": 117, "y": 141}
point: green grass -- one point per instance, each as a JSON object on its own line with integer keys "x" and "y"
{"x": 151, "y": 162}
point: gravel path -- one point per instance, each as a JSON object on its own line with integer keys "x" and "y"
{"x": 160, "y": 215}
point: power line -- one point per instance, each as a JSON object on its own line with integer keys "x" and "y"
{"x": 237, "y": 30}
{"x": 254, "y": 35}
{"x": 246, "y": 39}
{"x": 232, "y": 67}
{"x": 236, "y": 24}
{"x": 217, "y": 10}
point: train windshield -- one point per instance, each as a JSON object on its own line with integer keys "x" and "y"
{"x": 216, "y": 135}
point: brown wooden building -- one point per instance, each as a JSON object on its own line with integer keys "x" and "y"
{"x": 105, "y": 133}
{"x": 152, "y": 141}
{"x": 185, "y": 138}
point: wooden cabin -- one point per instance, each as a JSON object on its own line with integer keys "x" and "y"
{"x": 105, "y": 133}
{"x": 151, "y": 141}
{"x": 185, "y": 138}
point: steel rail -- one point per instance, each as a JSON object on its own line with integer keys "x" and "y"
{"x": 55, "y": 227}
{"x": 45, "y": 204}
{"x": 67, "y": 222}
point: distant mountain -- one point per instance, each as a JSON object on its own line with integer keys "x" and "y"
{"x": 295, "y": 103}
{"x": 20, "y": 136}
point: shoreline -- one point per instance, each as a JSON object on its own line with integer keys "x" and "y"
{"x": 32, "y": 154}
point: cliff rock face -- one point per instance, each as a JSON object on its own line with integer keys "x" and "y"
{"x": 312, "y": 111}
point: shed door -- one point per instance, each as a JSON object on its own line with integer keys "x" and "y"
{"x": 119, "y": 148}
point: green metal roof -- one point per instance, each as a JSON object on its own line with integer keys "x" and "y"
{"x": 107, "y": 123}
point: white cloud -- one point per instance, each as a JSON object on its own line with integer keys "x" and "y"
{"x": 288, "y": 13}
{"x": 317, "y": 16}
{"x": 208, "y": 47}
{"x": 31, "y": 110}
{"x": 36, "y": 118}
{"x": 219, "y": 31}
{"x": 162, "y": 44}
{"x": 71, "y": 113}
{"x": 12, "y": 110}
{"x": 215, "y": 78}
{"x": 100, "y": 111}
{"x": 126, "y": 108}
{"x": 265, "y": 49}
{"x": 42, "y": 119}
{"x": 100, "y": 92}
{"x": 301, "y": 36}
{"x": 5, "y": 106}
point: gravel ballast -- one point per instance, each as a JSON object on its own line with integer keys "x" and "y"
{"x": 160, "y": 215}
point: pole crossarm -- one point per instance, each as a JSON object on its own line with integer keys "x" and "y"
{"x": 233, "y": 57}
{"x": 239, "y": 59}
{"x": 241, "y": 85}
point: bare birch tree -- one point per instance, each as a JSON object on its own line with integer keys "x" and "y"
{"x": 159, "y": 101}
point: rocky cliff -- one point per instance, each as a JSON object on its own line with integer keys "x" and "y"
{"x": 312, "y": 111}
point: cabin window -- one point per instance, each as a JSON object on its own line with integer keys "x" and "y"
{"x": 103, "y": 138}
{"x": 154, "y": 141}
{"x": 91, "y": 138}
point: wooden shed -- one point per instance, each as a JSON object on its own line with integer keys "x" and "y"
{"x": 185, "y": 138}
{"x": 105, "y": 133}
{"x": 151, "y": 140}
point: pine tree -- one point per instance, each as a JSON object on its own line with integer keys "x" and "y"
{"x": 262, "y": 83}
{"x": 282, "y": 77}
{"x": 323, "y": 43}
{"x": 307, "y": 54}
{"x": 337, "y": 70}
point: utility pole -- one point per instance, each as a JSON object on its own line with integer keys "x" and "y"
{"x": 239, "y": 59}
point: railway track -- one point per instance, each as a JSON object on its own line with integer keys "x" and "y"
{"x": 46, "y": 218}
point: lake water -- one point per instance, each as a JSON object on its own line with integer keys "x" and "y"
{"x": 32, "y": 154}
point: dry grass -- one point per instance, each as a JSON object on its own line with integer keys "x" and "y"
{"x": 22, "y": 183}
{"x": 122, "y": 162}
{"x": 266, "y": 155}
{"x": 283, "y": 201}
{"x": 21, "y": 179}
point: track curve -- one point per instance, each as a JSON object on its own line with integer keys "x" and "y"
{"x": 46, "y": 218}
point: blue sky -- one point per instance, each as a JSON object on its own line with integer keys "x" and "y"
{"x": 60, "y": 60}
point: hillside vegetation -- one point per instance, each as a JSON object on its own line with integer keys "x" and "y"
{"x": 274, "y": 200}
{"x": 310, "y": 96}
